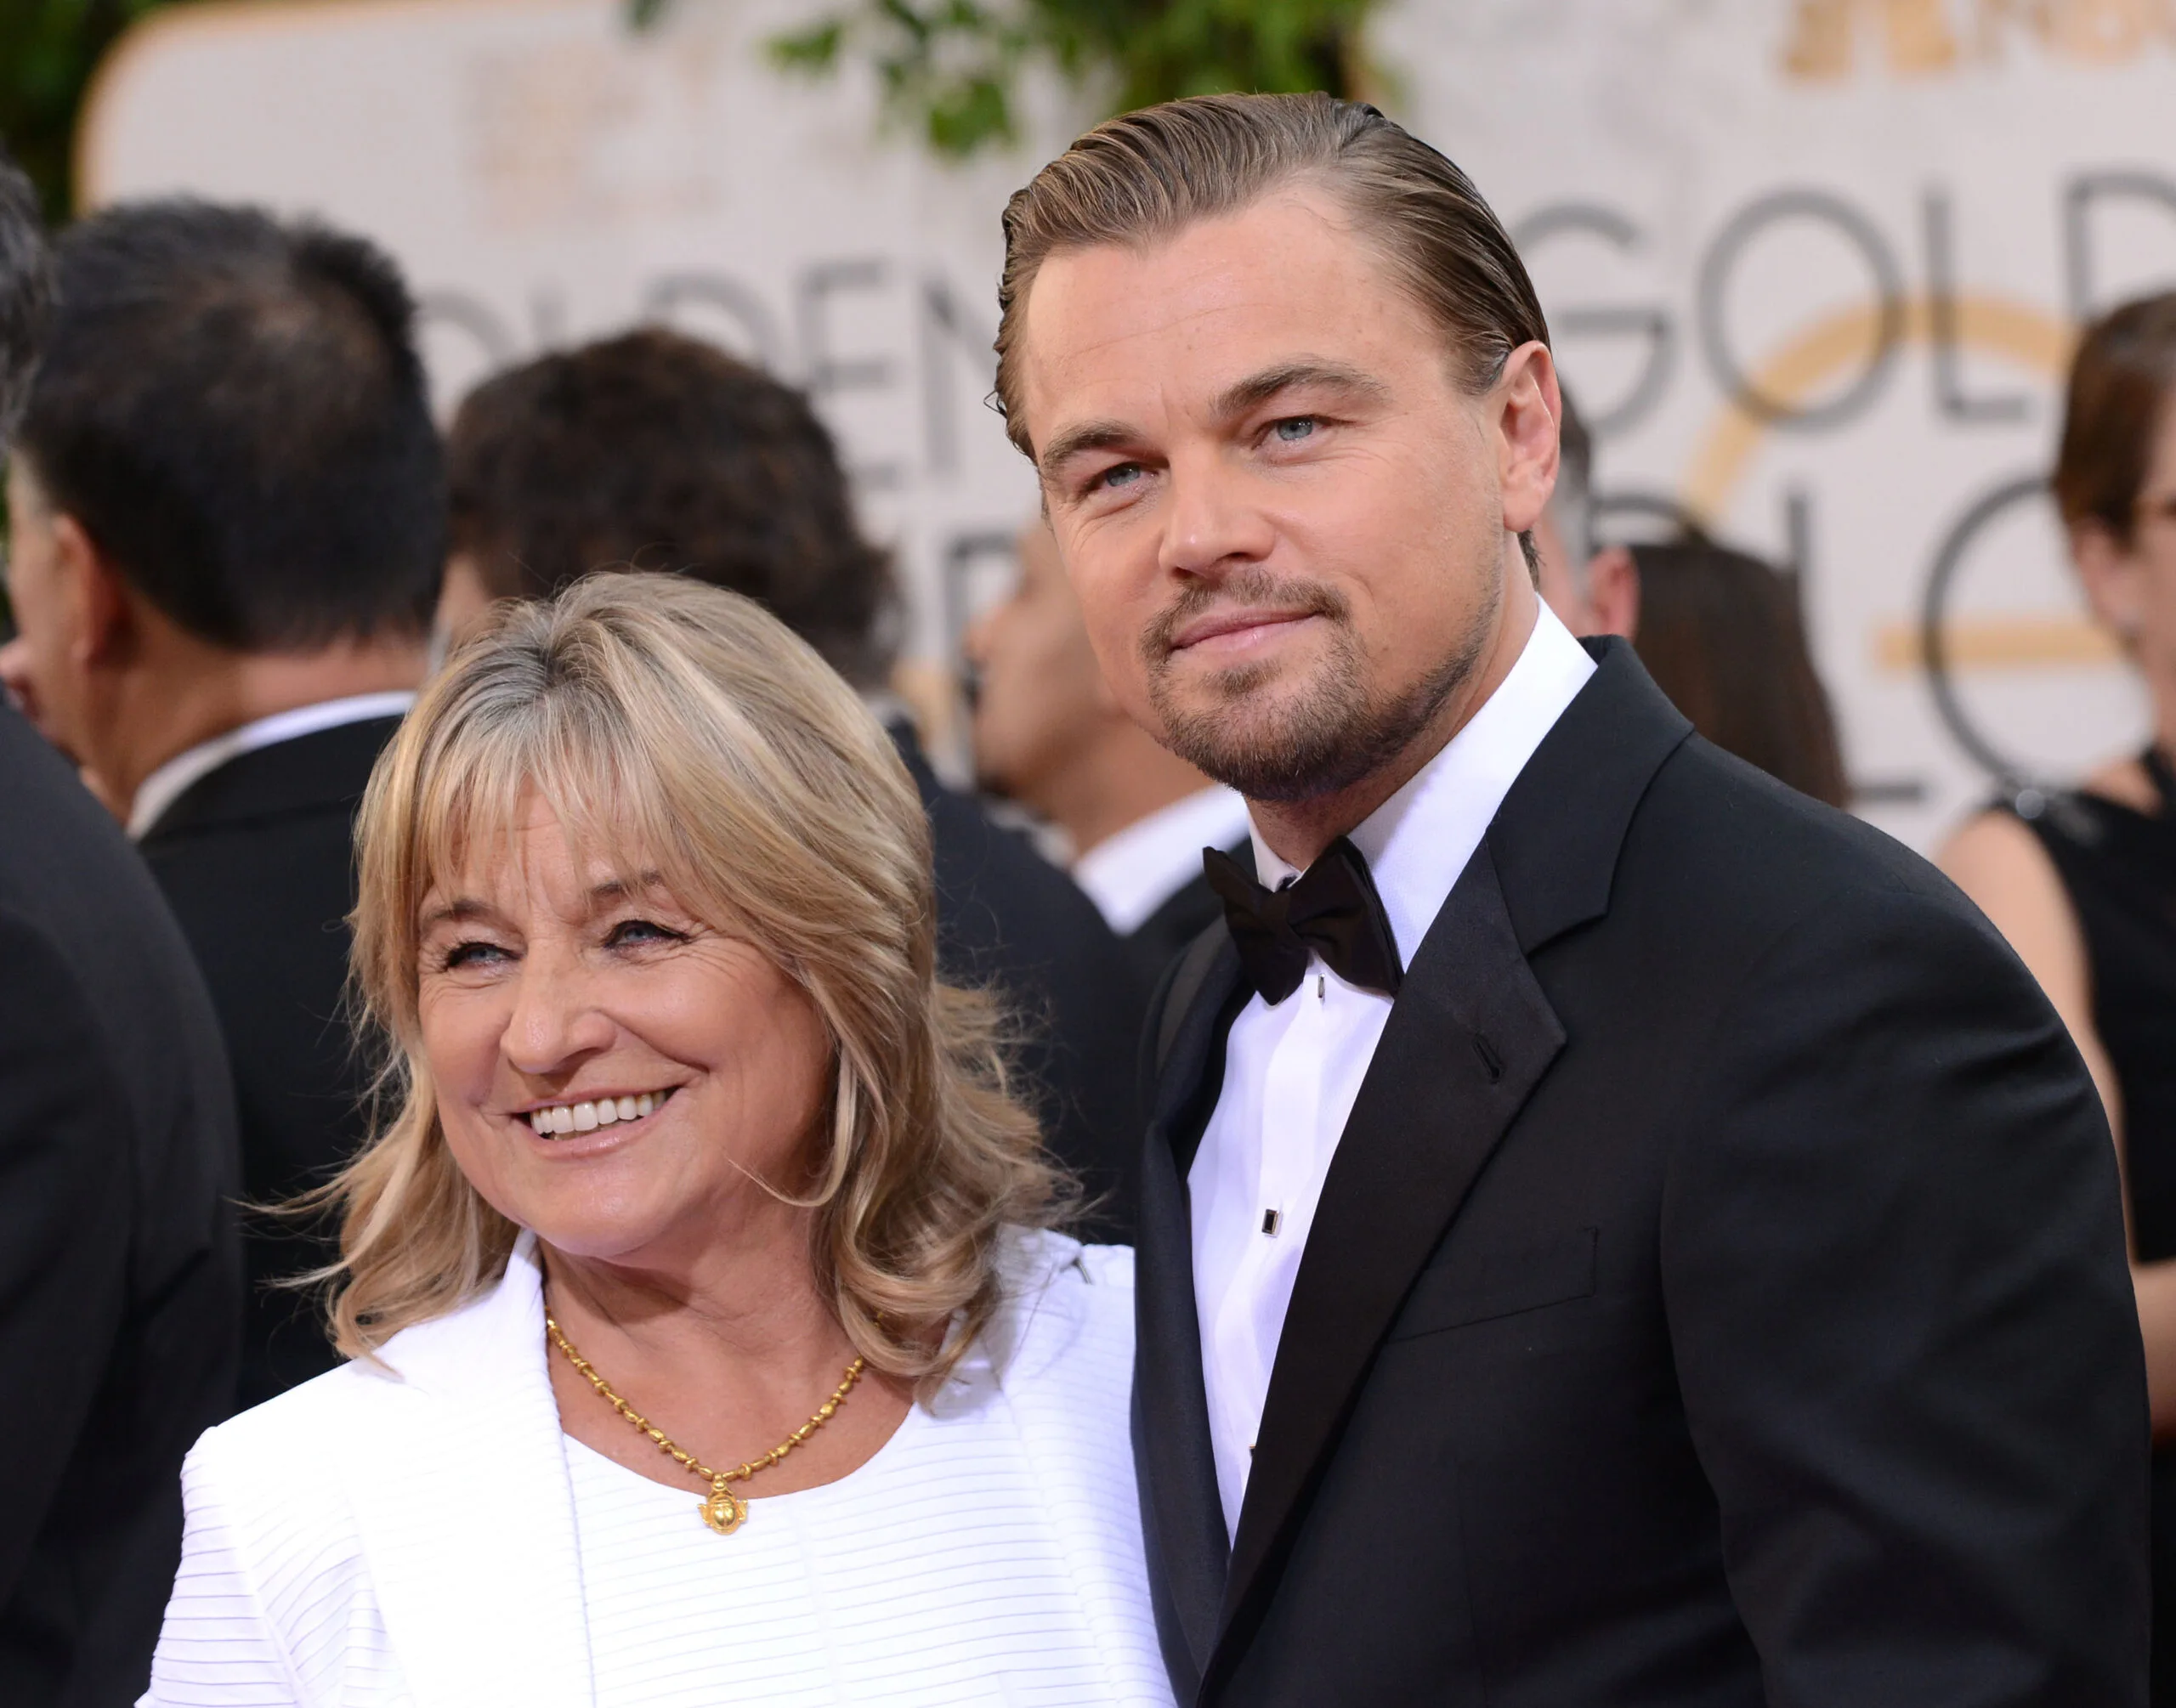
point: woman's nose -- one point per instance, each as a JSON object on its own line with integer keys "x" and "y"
{"x": 555, "y": 1020}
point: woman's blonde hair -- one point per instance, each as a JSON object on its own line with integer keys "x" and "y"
{"x": 678, "y": 729}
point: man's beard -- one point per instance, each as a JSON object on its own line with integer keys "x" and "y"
{"x": 1327, "y": 734}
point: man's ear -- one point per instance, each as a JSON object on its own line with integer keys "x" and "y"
{"x": 2115, "y": 586}
{"x": 101, "y": 607}
{"x": 1528, "y": 404}
{"x": 1613, "y": 592}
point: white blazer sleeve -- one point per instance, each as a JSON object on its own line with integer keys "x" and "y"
{"x": 218, "y": 1647}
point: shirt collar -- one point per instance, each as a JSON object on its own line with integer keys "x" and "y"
{"x": 171, "y": 780}
{"x": 1418, "y": 842}
{"x": 1133, "y": 872}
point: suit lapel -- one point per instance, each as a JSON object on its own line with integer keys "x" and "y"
{"x": 1181, "y": 1514}
{"x": 476, "y": 1537}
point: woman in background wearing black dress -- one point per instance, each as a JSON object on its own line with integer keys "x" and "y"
{"x": 2084, "y": 882}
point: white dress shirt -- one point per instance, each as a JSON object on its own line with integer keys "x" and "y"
{"x": 171, "y": 780}
{"x": 1131, "y": 875}
{"x": 1291, "y": 1072}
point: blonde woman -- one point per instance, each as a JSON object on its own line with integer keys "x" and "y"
{"x": 709, "y": 1343}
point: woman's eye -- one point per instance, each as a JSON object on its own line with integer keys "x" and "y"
{"x": 1294, "y": 429}
{"x": 471, "y": 954}
{"x": 630, "y": 932}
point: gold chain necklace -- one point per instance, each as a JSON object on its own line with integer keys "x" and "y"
{"x": 724, "y": 1511}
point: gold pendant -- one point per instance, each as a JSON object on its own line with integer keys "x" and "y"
{"x": 725, "y": 1512}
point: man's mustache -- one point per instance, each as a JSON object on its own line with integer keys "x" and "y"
{"x": 1281, "y": 593}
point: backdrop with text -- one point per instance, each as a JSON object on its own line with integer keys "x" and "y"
{"x": 1813, "y": 267}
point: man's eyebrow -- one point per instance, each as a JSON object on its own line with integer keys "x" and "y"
{"x": 1250, "y": 393}
{"x": 1257, "y": 389}
{"x": 1087, "y": 437}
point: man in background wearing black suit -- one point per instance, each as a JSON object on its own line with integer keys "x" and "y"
{"x": 1613, "y": 1229}
{"x": 228, "y": 506}
{"x": 1050, "y": 735}
{"x": 120, "y": 1282}
{"x": 655, "y": 450}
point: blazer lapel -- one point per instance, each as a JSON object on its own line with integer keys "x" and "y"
{"x": 474, "y": 1548}
{"x": 1182, "y": 1517}
{"x": 1470, "y": 1036}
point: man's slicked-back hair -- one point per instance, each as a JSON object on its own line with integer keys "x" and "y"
{"x": 1147, "y": 175}
{"x": 25, "y": 289}
{"x": 233, "y": 408}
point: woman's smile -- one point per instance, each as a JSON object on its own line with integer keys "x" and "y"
{"x": 555, "y": 1120}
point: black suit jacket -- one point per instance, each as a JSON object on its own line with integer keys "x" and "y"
{"x": 257, "y": 858}
{"x": 1718, "y": 1295}
{"x": 1008, "y": 918}
{"x": 120, "y": 1284}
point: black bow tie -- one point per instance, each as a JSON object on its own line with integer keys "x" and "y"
{"x": 1331, "y": 910}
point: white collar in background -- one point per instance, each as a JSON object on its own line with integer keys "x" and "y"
{"x": 1129, "y": 875}
{"x": 167, "y": 784}
{"x": 1419, "y": 842}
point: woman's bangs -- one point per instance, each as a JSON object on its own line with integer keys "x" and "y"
{"x": 590, "y": 772}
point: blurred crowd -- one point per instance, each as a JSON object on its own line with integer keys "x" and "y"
{"x": 238, "y": 545}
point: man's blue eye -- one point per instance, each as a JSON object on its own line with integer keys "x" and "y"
{"x": 1294, "y": 428}
{"x": 1123, "y": 474}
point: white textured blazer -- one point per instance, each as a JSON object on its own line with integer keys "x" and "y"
{"x": 407, "y": 1535}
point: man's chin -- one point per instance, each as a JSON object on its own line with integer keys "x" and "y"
{"x": 1268, "y": 745}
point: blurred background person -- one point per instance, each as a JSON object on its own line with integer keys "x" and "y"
{"x": 689, "y": 1129}
{"x": 656, "y": 451}
{"x": 1049, "y": 734}
{"x": 120, "y": 1282}
{"x": 226, "y": 515}
{"x": 1594, "y": 588}
{"x": 1720, "y": 632}
{"x": 2083, "y": 881}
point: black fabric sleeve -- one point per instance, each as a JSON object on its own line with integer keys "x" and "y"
{"x": 65, "y": 1198}
{"x": 1893, "y": 1262}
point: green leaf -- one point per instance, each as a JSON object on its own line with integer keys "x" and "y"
{"x": 949, "y": 69}
{"x": 811, "y": 50}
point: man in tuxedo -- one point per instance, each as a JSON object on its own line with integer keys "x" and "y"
{"x": 1050, "y": 734}
{"x": 657, "y": 450}
{"x": 226, "y": 512}
{"x": 120, "y": 1281}
{"x": 1612, "y": 1230}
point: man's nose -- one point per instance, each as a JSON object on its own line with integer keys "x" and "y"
{"x": 1213, "y": 519}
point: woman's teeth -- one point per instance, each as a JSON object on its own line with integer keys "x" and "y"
{"x": 588, "y": 1118}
